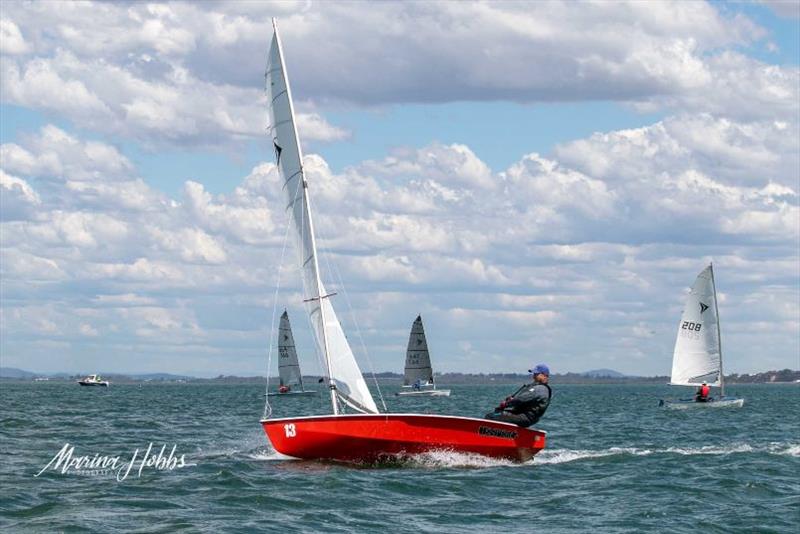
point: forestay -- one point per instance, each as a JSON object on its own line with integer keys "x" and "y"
{"x": 418, "y": 360}
{"x": 697, "y": 356}
{"x": 288, "y": 366}
{"x": 344, "y": 372}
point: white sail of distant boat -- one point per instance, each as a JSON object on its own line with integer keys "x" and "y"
{"x": 418, "y": 373}
{"x": 697, "y": 358}
{"x": 288, "y": 365}
{"x": 345, "y": 380}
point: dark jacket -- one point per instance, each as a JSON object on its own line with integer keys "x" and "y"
{"x": 530, "y": 400}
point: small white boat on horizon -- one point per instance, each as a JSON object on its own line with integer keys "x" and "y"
{"x": 93, "y": 380}
{"x": 418, "y": 374}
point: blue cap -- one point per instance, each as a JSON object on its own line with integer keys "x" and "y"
{"x": 541, "y": 368}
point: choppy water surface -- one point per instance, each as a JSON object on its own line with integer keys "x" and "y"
{"x": 615, "y": 462}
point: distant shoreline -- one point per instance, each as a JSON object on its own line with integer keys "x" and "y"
{"x": 785, "y": 376}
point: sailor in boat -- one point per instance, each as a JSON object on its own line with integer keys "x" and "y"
{"x": 702, "y": 393}
{"x": 284, "y": 389}
{"x": 528, "y": 404}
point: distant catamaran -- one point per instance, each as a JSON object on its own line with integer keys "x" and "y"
{"x": 418, "y": 374}
{"x": 697, "y": 358}
{"x": 288, "y": 365}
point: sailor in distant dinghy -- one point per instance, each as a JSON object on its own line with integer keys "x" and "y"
{"x": 528, "y": 404}
{"x": 702, "y": 393}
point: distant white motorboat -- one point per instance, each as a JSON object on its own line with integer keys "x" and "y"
{"x": 288, "y": 365}
{"x": 93, "y": 380}
{"x": 697, "y": 358}
{"x": 418, "y": 376}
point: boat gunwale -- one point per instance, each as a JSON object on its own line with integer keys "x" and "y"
{"x": 388, "y": 415}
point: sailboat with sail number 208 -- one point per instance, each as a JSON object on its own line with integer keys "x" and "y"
{"x": 367, "y": 435}
{"x": 697, "y": 358}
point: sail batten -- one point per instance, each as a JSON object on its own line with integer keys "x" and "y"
{"x": 697, "y": 357}
{"x": 343, "y": 371}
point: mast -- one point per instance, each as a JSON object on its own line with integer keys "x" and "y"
{"x": 719, "y": 336}
{"x": 304, "y": 183}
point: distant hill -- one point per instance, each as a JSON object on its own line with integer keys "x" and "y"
{"x": 12, "y": 372}
{"x": 603, "y": 373}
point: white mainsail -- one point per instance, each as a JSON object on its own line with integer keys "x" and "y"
{"x": 344, "y": 373}
{"x": 288, "y": 366}
{"x": 418, "y": 359}
{"x": 698, "y": 356}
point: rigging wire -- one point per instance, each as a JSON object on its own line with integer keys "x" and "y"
{"x": 334, "y": 270}
{"x": 360, "y": 337}
{"x": 267, "y": 406}
{"x": 319, "y": 349}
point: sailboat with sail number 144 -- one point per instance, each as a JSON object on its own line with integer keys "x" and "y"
{"x": 288, "y": 365}
{"x": 366, "y": 435}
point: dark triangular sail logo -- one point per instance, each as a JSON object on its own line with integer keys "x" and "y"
{"x": 278, "y": 150}
{"x": 703, "y": 308}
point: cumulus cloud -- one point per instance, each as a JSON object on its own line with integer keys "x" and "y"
{"x": 241, "y": 216}
{"x": 18, "y": 199}
{"x": 184, "y": 73}
{"x": 699, "y": 174}
{"x": 179, "y": 109}
{"x": 601, "y": 236}
{"x": 607, "y": 231}
{"x": 11, "y": 40}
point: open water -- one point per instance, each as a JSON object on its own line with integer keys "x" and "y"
{"x": 614, "y": 462}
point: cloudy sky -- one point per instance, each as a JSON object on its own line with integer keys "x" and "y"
{"x": 541, "y": 181}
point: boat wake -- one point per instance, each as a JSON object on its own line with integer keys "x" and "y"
{"x": 560, "y": 456}
{"x": 451, "y": 459}
{"x": 447, "y": 459}
{"x": 265, "y": 454}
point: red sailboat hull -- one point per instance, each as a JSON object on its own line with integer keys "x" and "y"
{"x": 373, "y": 437}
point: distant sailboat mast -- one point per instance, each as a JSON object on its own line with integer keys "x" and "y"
{"x": 719, "y": 336}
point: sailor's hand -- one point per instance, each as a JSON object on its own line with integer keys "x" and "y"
{"x": 502, "y": 406}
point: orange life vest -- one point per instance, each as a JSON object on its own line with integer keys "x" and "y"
{"x": 704, "y": 391}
